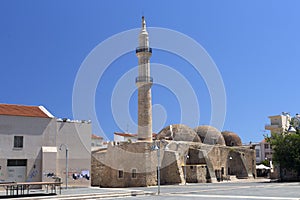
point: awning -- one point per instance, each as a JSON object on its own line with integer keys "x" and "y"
{"x": 49, "y": 149}
{"x": 262, "y": 166}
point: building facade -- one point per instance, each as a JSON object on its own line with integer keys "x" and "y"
{"x": 97, "y": 142}
{"x": 184, "y": 158}
{"x": 279, "y": 123}
{"x": 263, "y": 151}
{"x": 34, "y": 144}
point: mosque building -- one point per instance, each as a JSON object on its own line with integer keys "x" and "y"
{"x": 179, "y": 153}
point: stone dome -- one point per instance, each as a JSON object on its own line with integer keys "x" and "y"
{"x": 179, "y": 132}
{"x": 231, "y": 138}
{"x": 210, "y": 135}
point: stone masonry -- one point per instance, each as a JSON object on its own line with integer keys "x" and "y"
{"x": 144, "y": 113}
{"x": 137, "y": 163}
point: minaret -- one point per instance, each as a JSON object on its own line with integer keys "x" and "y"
{"x": 144, "y": 82}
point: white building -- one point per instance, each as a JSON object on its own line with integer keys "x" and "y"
{"x": 121, "y": 137}
{"x": 97, "y": 142}
{"x": 279, "y": 123}
{"x": 33, "y": 146}
{"x": 263, "y": 151}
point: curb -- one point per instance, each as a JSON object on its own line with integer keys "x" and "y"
{"x": 89, "y": 195}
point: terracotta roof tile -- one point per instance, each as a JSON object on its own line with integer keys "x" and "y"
{"x": 22, "y": 110}
{"x": 97, "y": 137}
{"x": 125, "y": 134}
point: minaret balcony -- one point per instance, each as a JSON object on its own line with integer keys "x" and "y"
{"x": 144, "y": 79}
{"x": 143, "y": 49}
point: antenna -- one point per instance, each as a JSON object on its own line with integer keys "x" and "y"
{"x": 127, "y": 128}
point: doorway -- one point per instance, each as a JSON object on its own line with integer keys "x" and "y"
{"x": 16, "y": 170}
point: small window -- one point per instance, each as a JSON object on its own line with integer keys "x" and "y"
{"x": 133, "y": 173}
{"x": 266, "y": 146}
{"x": 257, "y": 153}
{"x": 16, "y": 162}
{"x": 120, "y": 174}
{"x": 18, "y": 141}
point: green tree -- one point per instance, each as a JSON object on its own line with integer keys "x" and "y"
{"x": 265, "y": 162}
{"x": 286, "y": 149}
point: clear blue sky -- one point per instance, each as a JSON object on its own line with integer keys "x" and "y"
{"x": 255, "y": 45}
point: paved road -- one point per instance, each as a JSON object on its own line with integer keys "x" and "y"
{"x": 228, "y": 191}
{"x": 225, "y": 190}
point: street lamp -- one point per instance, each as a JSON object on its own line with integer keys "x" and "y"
{"x": 156, "y": 147}
{"x": 66, "y": 147}
{"x": 185, "y": 159}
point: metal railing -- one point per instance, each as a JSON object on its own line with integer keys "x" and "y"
{"x": 143, "y": 49}
{"x": 147, "y": 79}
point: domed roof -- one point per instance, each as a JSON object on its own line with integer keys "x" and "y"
{"x": 210, "y": 135}
{"x": 179, "y": 132}
{"x": 231, "y": 138}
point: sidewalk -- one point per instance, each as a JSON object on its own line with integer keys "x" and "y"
{"x": 81, "y": 193}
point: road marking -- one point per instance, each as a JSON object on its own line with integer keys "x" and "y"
{"x": 233, "y": 197}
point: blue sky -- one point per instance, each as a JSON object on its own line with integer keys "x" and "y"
{"x": 254, "y": 44}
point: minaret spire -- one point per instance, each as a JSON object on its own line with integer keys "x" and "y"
{"x": 144, "y": 82}
{"x": 143, "y": 23}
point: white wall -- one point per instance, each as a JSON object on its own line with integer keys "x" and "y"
{"x": 119, "y": 138}
{"x": 77, "y": 136}
{"x": 45, "y": 132}
{"x": 33, "y": 130}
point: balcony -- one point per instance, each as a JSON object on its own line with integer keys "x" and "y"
{"x": 143, "y": 49}
{"x": 272, "y": 126}
{"x": 144, "y": 79}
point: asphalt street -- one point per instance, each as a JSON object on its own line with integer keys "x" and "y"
{"x": 224, "y": 190}
{"x": 247, "y": 190}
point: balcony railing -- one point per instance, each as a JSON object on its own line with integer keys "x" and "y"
{"x": 272, "y": 126}
{"x": 146, "y": 79}
{"x": 143, "y": 49}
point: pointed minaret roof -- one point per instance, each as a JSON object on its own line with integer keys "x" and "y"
{"x": 143, "y": 36}
{"x": 143, "y": 23}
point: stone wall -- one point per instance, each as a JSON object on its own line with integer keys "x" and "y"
{"x": 196, "y": 173}
{"x": 144, "y": 112}
{"x": 97, "y": 167}
{"x": 137, "y": 163}
{"x": 125, "y": 165}
{"x": 171, "y": 171}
